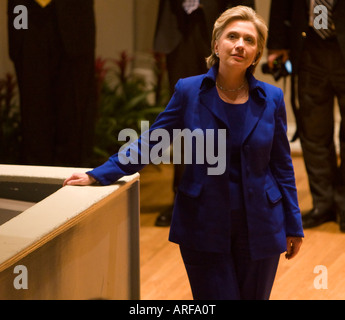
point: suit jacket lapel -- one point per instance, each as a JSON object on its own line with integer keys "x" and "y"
{"x": 209, "y": 99}
{"x": 257, "y": 104}
{"x": 209, "y": 96}
{"x": 253, "y": 115}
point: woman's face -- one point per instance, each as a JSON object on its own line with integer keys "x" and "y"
{"x": 237, "y": 46}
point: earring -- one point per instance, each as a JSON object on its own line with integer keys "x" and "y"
{"x": 217, "y": 54}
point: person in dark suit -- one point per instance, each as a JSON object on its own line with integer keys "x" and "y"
{"x": 318, "y": 61}
{"x": 184, "y": 35}
{"x": 232, "y": 221}
{"x": 54, "y": 62}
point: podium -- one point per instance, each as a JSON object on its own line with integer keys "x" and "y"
{"x": 67, "y": 243}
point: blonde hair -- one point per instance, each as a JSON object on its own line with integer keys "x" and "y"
{"x": 243, "y": 13}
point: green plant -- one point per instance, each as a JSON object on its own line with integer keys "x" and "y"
{"x": 9, "y": 121}
{"x": 124, "y": 101}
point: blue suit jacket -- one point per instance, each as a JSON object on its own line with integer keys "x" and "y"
{"x": 201, "y": 216}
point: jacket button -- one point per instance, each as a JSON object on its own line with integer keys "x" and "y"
{"x": 304, "y": 34}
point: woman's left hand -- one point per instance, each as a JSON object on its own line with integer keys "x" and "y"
{"x": 293, "y": 246}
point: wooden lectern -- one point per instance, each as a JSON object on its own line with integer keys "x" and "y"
{"x": 71, "y": 242}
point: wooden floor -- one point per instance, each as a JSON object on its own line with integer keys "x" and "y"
{"x": 321, "y": 260}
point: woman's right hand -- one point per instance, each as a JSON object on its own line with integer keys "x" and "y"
{"x": 79, "y": 179}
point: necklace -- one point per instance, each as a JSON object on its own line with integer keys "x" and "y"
{"x": 230, "y": 90}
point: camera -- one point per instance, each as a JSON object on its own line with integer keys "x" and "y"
{"x": 280, "y": 69}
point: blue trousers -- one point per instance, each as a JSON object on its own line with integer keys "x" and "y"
{"x": 230, "y": 276}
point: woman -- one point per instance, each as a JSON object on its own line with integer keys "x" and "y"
{"x": 231, "y": 227}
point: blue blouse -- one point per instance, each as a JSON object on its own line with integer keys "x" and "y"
{"x": 236, "y": 114}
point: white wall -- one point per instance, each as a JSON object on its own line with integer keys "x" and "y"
{"x": 114, "y": 23}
